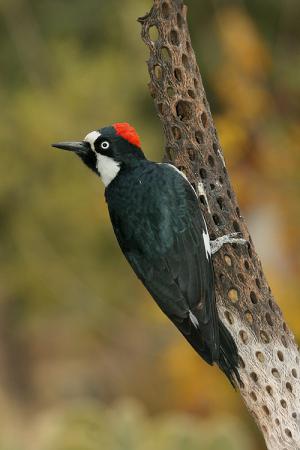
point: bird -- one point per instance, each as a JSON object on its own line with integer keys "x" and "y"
{"x": 161, "y": 230}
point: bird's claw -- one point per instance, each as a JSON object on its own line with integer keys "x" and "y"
{"x": 232, "y": 238}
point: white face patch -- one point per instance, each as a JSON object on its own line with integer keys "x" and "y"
{"x": 91, "y": 138}
{"x": 206, "y": 240}
{"x": 107, "y": 167}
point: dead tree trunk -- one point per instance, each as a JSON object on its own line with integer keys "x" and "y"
{"x": 269, "y": 358}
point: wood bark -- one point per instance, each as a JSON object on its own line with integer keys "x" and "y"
{"x": 269, "y": 357}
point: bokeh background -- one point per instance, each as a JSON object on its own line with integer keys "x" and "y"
{"x": 87, "y": 361}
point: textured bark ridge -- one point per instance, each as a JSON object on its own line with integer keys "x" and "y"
{"x": 269, "y": 357}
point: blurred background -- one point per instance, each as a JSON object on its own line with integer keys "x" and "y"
{"x": 87, "y": 361}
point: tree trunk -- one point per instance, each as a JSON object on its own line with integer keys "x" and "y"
{"x": 269, "y": 358}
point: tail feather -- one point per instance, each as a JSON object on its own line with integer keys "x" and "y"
{"x": 228, "y": 359}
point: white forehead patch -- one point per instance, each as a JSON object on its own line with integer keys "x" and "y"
{"x": 91, "y": 138}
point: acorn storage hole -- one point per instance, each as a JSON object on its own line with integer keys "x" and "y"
{"x": 170, "y": 91}
{"x": 174, "y": 37}
{"x": 244, "y": 337}
{"x": 228, "y": 317}
{"x": 178, "y": 74}
{"x": 165, "y": 54}
{"x": 269, "y": 390}
{"x": 269, "y": 319}
{"x": 185, "y": 61}
{"x": 266, "y": 410}
{"x": 246, "y": 265}
{"x": 289, "y": 387}
{"x": 253, "y": 297}
{"x": 294, "y": 373}
{"x": 191, "y": 93}
{"x": 253, "y": 396}
{"x": 249, "y": 317}
{"x": 233, "y": 295}
{"x": 176, "y": 133}
{"x": 283, "y": 403}
{"x": 153, "y": 33}
{"x": 203, "y": 173}
{"x": 228, "y": 260}
{"x": 254, "y": 377}
{"x": 184, "y": 110}
{"x": 260, "y": 357}
{"x": 157, "y": 72}
{"x": 211, "y": 161}
{"x": 165, "y": 9}
{"x": 217, "y": 220}
{"x": 179, "y": 20}
{"x": 204, "y": 119}
{"x": 288, "y": 432}
{"x": 264, "y": 337}
{"x": 192, "y": 154}
{"x": 236, "y": 227}
{"x": 280, "y": 355}
{"x": 199, "y": 137}
{"x": 275, "y": 373}
{"x": 220, "y": 202}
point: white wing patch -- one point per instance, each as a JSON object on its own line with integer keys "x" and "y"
{"x": 193, "y": 319}
{"x": 107, "y": 167}
{"x": 206, "y": 240}
{"x": 91, "y": 137}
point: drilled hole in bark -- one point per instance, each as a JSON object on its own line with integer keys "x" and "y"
{"x": 178, "y": 74}
{"x": 203, "y": 173}
{"x": 217, "y": 219}
{"x": 191, "y": 153}
{"x": 260, "y": 357}
{"x": 294, "y": 415}
{"x": 283, "y": 403}
{"x": 269, "y": 390}
{"x": 176, "y": 133}
{"x": 233, "y": 295}
{"x": 160, "y": 107}
{"x": 249, "y": 250}
{"x": 196, "y": 83}
{"x": 254, "y": 377}
{"x": 264, "y": 337}
{"x": 170, "y": 91}
{"x": 229, "y": 193}
{"x": 212, "y": 186}
{"x": 211, "y": 161}
{"x": 288, "y": 432}
{"x": 241, "y": 363}
{"x": 169, "y": 153}
{"x": 185, "y": 61}
{"x": 284, "y": 327}
{"x": 188, "y": 46}
{"x": 165, "y": 9}
{"x": 266, "y": 410}
{"x": 249, "y": 317}
{"x": 157, "y": 72}
{"x": 199, "y": 137}
{"x": 294, "y": 373}
{"x": 275, "y": 373}
{"x": 202, "y": 200}
{"x": 241, "y": 277}
{"x": 253, "y": 297}
{"x": 237, "y": 210}
{"x": 277, "y": 421}
{"x": 257, "y": 283}
{"x": 244, "y": 337}
{"x": 174, "y": 37}
{"x": 220, "y": 202}
{"x": 165, "y": 54}
{"x": 204, "y": 119}
{"x": 236, "y": 227}
{"x": 246, "y": 264}
{"x": 229, "y": 317}
{"x": 253, "y": 396}
{"x": 191, "y": 93}
{"x": 280, "y": 355}
{"x": 284, "y": 342}
{"x": 228, "y": 260}
{"x": 184, "y": 110}
{"x": 220, "y": 180}
{"x": 269, "y": 319}
{"x": 289, "y": 387}
{"x": 179, "y": 20}
{"x": 153, "y": 33}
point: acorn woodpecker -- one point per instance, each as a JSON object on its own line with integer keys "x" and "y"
{"x": 160, "y": 228}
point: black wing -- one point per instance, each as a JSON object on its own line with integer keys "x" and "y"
{"x": 164, "y": 237}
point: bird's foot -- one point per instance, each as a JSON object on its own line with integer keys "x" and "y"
{"x": 232, "y": 238}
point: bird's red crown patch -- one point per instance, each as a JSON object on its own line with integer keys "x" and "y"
{"x": 127, "y": 132}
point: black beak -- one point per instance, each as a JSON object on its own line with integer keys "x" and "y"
{"x": 80, "y": 148}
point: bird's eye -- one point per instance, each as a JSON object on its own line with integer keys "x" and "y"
{"x": 104, "y": 145}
